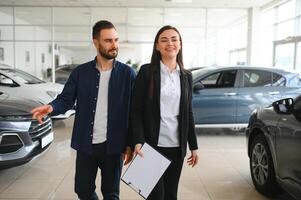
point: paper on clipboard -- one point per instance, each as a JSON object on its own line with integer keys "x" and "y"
{"x": 143, "y": 173}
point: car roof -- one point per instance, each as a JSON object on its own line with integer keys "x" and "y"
{"x": 271, "y": 69}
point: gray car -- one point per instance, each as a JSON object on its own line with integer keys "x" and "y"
{"x": 24, "y": 85}
{"x": 21, "y": 137}
{"x": 224, "y": 97}
{"x": 274, "y": 144}
{"x": 63, "y": 72}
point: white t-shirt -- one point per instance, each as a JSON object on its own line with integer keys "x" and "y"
{"x": 101, "y": 113}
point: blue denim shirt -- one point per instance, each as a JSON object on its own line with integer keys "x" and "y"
{"x": 82, "y": 88}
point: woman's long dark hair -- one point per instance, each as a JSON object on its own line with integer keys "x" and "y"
{"x": 156, "y": 56}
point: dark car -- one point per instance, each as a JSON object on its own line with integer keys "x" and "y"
{"x": 63, "y": 72}
{"x": 274, "y": 145}
{"x": 21, "y": 137}
{"x": 224, "y": 97}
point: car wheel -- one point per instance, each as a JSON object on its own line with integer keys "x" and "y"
{"x": 262, "y": 167}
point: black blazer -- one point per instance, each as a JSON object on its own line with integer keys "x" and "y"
{"x": 145, "y": 109}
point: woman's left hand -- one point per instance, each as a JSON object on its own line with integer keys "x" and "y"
{"x": 193, "y": 159}
{"x": 127, "y": 155}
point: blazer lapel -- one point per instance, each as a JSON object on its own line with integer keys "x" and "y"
{"x": 157, "y": 81}
{"x": 183, "y": 91}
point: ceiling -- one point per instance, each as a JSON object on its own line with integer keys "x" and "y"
{"x": 141, "y": 3}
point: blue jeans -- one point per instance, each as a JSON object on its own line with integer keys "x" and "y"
{"x": 86, "y": 171}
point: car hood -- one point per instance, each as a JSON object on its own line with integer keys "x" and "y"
{"x": 13, "y": 106}
{"x": 47, "y": 87}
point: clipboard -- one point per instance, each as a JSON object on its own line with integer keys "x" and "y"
{"x": 143, "y": 174}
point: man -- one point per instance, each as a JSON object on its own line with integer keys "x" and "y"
{"x": 101, "y": 89}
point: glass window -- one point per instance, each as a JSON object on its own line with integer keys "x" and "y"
{"x": 72, "y": 33}
{"x": 278, "y": 80}
{"x": 22, "y": 76}
{"x": 295, "y": 81}
{"x": 285, "y": 29}
{"x": 109, "y": 14}
{"x": 238, "y": 57}
{"x": 5, "y": 81}
{"x": 266, "y": 52}
{"x": 299, "y": 31}
{"x": 33, "y": 15}
{"x": 6, "y": 53}
{"x": 194, "y": 55}
{"x": 284, "y": 56}
{"x": 267, "y": 34}
{"x": 257, "y": 78}
{"x": 6, "y": 33}
{"x": 33, "y": 33}
{"x": 185, "y": 17}
{"x": 73, "y": 52}
{"x": 30, "y": 57}
{"x": 122, "y": 32}
{"x": 141, "y": 34}
{"x": 227, "y": 30}
{"x": 71, "y": 16}
{"x": 6, "y": 15}
{"x": 210, "y": 81}
{"x": 192, "y": 34}
{"x": 268, "y": 18}
{"x": 298, "y": 57}
{"x": 145, "y": 16}
{"x": 220, "y": 80}
{"x": 286, "y": 11}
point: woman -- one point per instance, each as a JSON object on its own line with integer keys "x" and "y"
{"x": 161, "y": 110}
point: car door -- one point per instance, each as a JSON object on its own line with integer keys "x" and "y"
{"x": 216, "y": 102}
{"x": 257, "y": 90}
{"x": 288, "y": 146}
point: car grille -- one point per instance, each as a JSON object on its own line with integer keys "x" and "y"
{"x": 37, "y": 130}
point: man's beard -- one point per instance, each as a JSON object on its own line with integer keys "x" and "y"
{"x": 110, "y": 54}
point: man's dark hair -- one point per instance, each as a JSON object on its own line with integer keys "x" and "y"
{"x": 156, "y": 56}
{"x": 100, "y": 25}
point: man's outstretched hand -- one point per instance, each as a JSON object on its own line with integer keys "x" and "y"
{"x": 40, "y": 112}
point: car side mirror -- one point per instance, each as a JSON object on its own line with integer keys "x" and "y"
{"x": 284, "y": 106}
{"x": 198, "y": 86}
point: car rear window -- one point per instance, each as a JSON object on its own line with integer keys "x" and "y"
{"x": 295, "y": 81}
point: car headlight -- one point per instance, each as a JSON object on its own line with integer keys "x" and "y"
{"x": 53, "y": 94}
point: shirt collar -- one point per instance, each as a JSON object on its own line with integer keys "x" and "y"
{"x": 165, "y": 69}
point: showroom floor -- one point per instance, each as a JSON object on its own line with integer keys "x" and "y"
{"x": 222, "y": 173}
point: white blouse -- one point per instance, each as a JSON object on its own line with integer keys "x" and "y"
{"x": 169, "y": 106}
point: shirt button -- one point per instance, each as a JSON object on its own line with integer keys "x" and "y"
{"x": 94, "y": 111}
{"x": 97, "y": 86}
{"x": 95, "y": 98}
{"x": 91, "y": 123}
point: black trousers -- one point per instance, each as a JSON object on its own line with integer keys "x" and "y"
{"x": 167, "y": 187}
{"x": 86, "y": 171}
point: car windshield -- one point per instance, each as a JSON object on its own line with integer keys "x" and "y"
{"x": 21, "y": 76}
{"x": 199, "y": 72}
{"x": 66, "y": 68}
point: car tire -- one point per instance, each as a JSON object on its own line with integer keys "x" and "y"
{"x": 262, "y": 167}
